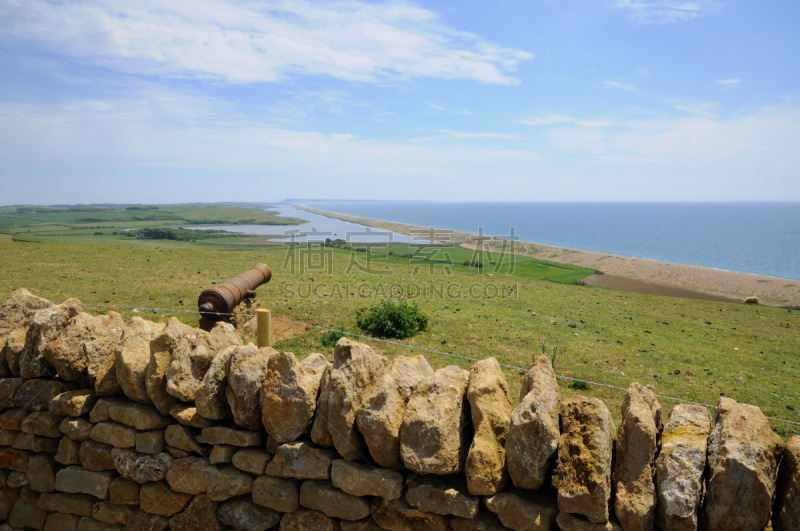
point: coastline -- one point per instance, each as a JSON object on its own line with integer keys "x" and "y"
{"x": 661, "y": 278}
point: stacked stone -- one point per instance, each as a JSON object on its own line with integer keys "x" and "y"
{"x": 107, "y": 424}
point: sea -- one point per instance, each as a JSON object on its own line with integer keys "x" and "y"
{"x": 756, "y": 238}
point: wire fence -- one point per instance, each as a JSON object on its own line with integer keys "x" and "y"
{"x": 404, "y": 345}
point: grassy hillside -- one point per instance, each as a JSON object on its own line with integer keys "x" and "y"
{"x": 685, "y": 348}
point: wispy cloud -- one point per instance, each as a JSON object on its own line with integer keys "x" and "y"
{"x": 728, "y": 84}
{"x": 666, "y": 11}
{"x": 619, "y": 85}
{"x": 556, "y": 119}
{"x": 261, "y": 42}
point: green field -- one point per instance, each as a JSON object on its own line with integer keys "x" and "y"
{"x": 747, "y": 352}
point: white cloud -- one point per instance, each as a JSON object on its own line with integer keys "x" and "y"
{"x": 619, "y": 85}
{"x": 667, "y": 10}
{"x": 728, "y": 84}
{"x": 266, "y": 41}
{"x": 557, "y": 119}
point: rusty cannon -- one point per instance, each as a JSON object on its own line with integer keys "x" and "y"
{"x": 214, "y": 302}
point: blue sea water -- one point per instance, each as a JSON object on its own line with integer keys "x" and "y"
{"x": 758, "y": 238}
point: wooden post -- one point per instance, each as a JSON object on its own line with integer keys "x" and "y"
{"x": 264, "y": 328}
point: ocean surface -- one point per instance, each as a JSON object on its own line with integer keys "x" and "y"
{"x": 758, "y": 238}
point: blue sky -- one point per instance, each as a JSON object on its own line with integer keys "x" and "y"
{"x": 592, "y": 100}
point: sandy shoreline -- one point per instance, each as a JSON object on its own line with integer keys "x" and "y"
{"x": 717, "y": 283}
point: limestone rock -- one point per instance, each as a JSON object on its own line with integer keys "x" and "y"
{"x": 195, "y": 475}
{"x": 123, "y": 491}
{"x": 8, "y": 390}
{"x": 324, "y": 497}
{"x": 36, "y": 395}
{"x": 490, "y": 403}
{"x": 60, "y": 502}
{"x": 42, "y": 470}
{"x": 14, "y": 459}
{"x": 289, "y": 395}
{"x": 85, "y": 351}
{"x": 133, "y": 356}
{"x": 222, "y": 453}
{"x": 301, "y": 461}
{"x": 79, "y": 480}
{"x": 306, "y": 520}
{"x": 26, "y": 512}
{"x": 243, "y": 515}
{"x": 680, "y": 466}
{"x": 150, "y": 442}
{"x": 637, "y": 443}
{"x": 522, "y": 510}
{"x": 188, "y": 416}
{"x": 43, "y": 424}
{"x": 88, "y": 523}
{"x": 398, "y": 515}
{"x": 109, "y": 513}
{"x": 184, "y": 438}
{"x": 367, "y": 524}
{"x": 319, "y": 431}
{"x": 251, "y": 460}
{"x": 442, "y": 495}
{"x": 384, "y": 407}
{"x": 570, "y": 522}
{"x": 61, "y": 522}
{"x": 12, "y": 418}
{"x": 143, "y": 521}
{"x": 68, "y": 451}
{"x": 533, "y": 433}
{"x": 201, "y": 514}
{"x": 138, "y": 416}
{"x": 17, "y": 479}
{"x": 223, "y": 435}
{"x": 743, "y": 455}
{"x": 7, "y": 437}
{"x": 45, "y": 326}
{"x": 28, "y": 441}
{"x": 141, "y": 468}
{"x": 484, "y": 521}
{"x": 210, "y": 398}
{"x": 361, "y": 479}
{"x": 434, "y": 436}
{"x": 16, "y": 313}
{"x": 584, "y": 458}
{"x": 77, "y": 429}
{"x": 10, "y": 354}
{"x": 73, "y": 403}
{"x": 101, "y": 412}
{"x": 115, "y": 434}
{"x": 8, "y": 497}
{"x": 246, "y": 372}
{"x": 276, "y": 493}
{"x": 787, "y": 499}
{"x": 156, "y": 497}
{"x": 193, "y": 356}
{"x": 161, "y": 349}
{"x": 96, "y": 456}
{"x": 356, "y": 368}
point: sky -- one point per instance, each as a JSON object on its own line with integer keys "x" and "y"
{"x": 140, "y": 101}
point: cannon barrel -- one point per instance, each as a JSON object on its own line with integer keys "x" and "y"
{"x": 224, "y": 297}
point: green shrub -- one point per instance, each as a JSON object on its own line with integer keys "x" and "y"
{"x": 579, "y": 386}
{"x": 390, "y": 319}
{"x": 329, "y": 339}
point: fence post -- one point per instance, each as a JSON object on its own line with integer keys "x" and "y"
{"x": 264, "y": 328}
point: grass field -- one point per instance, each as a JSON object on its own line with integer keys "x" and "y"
{"x": 747, "y": 352}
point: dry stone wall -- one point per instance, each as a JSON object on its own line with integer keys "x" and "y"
{"x": 107, "y": 424}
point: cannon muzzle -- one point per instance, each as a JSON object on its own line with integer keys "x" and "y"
{"x": 223, "y": 298}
